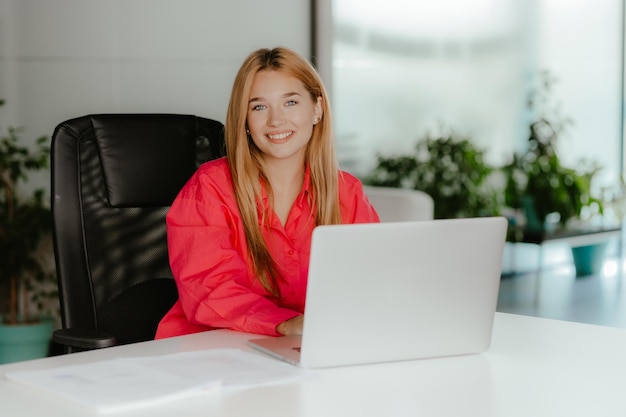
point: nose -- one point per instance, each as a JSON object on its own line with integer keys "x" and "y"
{"x": 275, "y": 117}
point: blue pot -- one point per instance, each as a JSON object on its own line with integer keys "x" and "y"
{"x": 533, "y": 222}
{"x": 589, "y": 259}
{"x": 25, "y": 341}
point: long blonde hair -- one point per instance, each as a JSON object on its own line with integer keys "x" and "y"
{"x": 244, "y": 158}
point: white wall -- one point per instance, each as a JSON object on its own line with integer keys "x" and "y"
{"x": 65, "y": 58}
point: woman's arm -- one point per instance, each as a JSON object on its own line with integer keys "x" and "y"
{"x": 355, "y": 206}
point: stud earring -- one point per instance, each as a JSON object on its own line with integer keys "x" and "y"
{"x": 316, "y": 120}
{"x": 248, "y": 131}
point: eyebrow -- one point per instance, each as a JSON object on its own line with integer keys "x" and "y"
{"x": 286, "y": 95}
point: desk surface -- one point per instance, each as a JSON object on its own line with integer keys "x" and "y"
{"x": 535, "y": 367}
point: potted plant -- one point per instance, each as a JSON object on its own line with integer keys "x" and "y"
{"x": 551, "y": 196}
{"x": 536, "y": 180}
{"x": 451, "y": 169}
{"x": 27, "y": 287}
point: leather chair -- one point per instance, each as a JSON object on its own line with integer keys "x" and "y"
{"x": 114, "y": 177}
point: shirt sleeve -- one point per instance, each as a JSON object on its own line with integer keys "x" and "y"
{"x": 207, "y": 252}
{"x": 355, "y": 206}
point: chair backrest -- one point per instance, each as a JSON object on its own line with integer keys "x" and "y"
{"x": 114, "y": 177}
{"x": 400, "y": 204}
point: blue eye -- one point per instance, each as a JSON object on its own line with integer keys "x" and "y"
{"x": 291, "y": 103}
{"x": 258, "y": 107}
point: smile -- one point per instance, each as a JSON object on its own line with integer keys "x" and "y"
{"x": 280, "y": 136}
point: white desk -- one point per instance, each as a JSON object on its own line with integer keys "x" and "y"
{"x": 535, "y": 367}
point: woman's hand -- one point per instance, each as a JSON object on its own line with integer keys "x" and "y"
{"x": 291, "y": 327}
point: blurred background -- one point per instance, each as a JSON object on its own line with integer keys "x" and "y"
{"x": 395, "y": 69}
{"x": 406, "y": 67}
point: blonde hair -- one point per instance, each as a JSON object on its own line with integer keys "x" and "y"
{"x": 244, "y": 158}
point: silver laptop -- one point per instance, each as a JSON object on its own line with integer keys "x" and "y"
{"x": 397, "y": 291}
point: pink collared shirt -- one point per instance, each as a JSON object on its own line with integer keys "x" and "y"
{"x": 208, "y": 255}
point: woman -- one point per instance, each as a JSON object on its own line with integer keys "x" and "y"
{"x": 239, "y": 232}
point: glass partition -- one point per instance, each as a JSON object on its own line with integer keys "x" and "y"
{"x": 400, "y": 69}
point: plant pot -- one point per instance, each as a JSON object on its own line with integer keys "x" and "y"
{"x": 25, "y": 341}
{"x": 533, "y": 222}
{"x": 588, "y": 259}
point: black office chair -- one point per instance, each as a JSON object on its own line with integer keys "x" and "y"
{"x": 114, "y": 177}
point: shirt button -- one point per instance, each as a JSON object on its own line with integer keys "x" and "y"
{"x": 291, "y": 252}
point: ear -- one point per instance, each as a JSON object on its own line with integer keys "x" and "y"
{"x": 317, "y": 111}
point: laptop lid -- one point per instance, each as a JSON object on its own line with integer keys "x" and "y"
{"x": 384, "y": 292}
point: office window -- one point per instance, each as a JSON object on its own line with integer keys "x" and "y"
{"x": 402, "y": 68}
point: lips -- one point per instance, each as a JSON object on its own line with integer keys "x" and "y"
{"x": 280, "y": 136}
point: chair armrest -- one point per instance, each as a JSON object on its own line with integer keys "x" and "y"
{"x": 83, "y": 339}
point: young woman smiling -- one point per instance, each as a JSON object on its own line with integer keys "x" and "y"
{"x": 239, "y": 232}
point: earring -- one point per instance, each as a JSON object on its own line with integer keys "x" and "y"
{"x": 248, "y": 131}
{"x": 316, "y": 120}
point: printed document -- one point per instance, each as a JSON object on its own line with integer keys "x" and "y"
{"x": 125, "y": 383}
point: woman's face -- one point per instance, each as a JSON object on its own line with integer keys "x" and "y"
{"x": 281, "y": 115}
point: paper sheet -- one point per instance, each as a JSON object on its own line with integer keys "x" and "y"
{"x": 125, "y": 383}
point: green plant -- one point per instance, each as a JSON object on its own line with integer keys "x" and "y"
{"x": 616, "y": 199}
{"x": 25, "y": 222}
{"x": 537, "y": 181}
{"x": 450, "y": 169}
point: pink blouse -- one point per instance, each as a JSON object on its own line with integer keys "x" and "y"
{"x": 208, "y": 255}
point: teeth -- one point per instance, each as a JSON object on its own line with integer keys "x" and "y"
{"x": 280, "y": 136}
